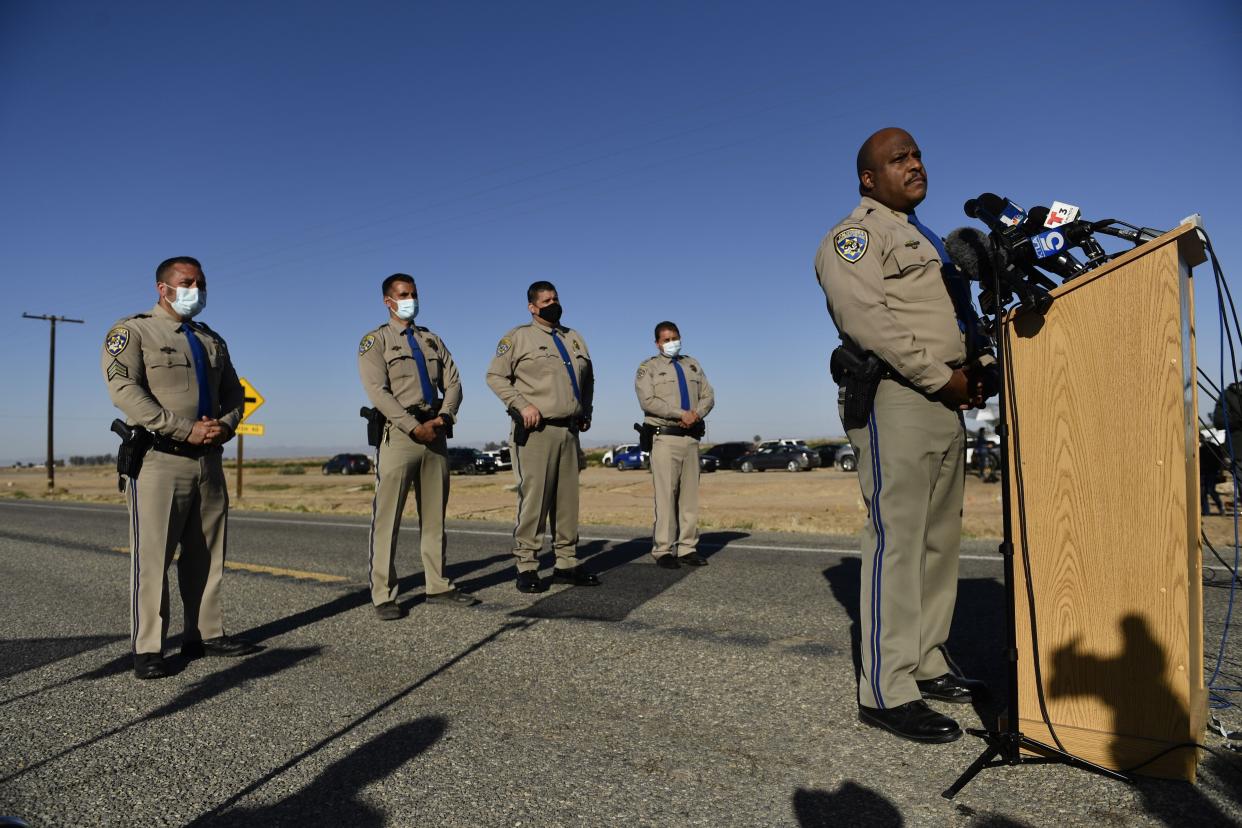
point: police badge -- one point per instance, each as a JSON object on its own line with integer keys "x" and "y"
{"x": 367, "y": 343}
{"x": 503, "y": 347}
{"x": 851, "y": 243}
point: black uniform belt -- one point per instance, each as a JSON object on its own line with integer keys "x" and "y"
{"x": 422, "y": 414}
{"x": 678, "y": 431}
{"x": 563, "y": 422}
{"x": 182, "y": 449}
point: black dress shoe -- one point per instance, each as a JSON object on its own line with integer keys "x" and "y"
{"x": 951, "y": 688}
{"x": 150, "y": 666}
{"x": 693, "y": 559}
{"x": 454, "y": 597}
{"x": 913, "y": 720}
{"x": 574, "y": 576}
{"x": 668, "y": 562}
{"x": 389, "y": 611}
{"x": 530, "y": 582}
{"x": 222, "y": 647}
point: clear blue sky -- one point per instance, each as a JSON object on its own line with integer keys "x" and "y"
{"x": 654, "y": 160}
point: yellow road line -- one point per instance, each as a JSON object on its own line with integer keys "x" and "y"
{"x": 299, "y": 574}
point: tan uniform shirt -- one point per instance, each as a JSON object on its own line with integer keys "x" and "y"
{"x": 882, "y": 279}
{"x": 390, "y": 373}
{"x": 150, "y": 373}
{"x": 659, "y": 393}
{"x": 528, "y": 370}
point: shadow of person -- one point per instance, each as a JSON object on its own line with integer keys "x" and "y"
{"x": 847, "y": 806}
{"x": 334, "y": 796}
{"x": 625, "y": 592}
{"x": 1135, "y": 687}
{"x": 712, "y": 542}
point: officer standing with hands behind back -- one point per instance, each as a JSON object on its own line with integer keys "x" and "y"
{"x": 411, "y": 379}
{"x": 542, "y": 373}
{"x": 911, "y": 354}
{"x": 174, "y": 381}
{"x": 675, "y": 397}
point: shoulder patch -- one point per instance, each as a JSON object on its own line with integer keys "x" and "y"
{"x": 116, "y": 340}
{"x": 851, "y": 243}
{"x": 367, "y": 343}
{"x": 503, "y": 346}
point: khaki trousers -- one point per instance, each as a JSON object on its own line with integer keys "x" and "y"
{"x": 400, "y": 462}
{"x": 675, "y": 473}
{"x": 176, "y": 501}
{"x": 911, "y": 469}
{"x": 547, "y": 473}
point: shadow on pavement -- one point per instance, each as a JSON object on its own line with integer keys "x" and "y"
{"x": 18, "y": 655}
{"x": 264, "y": 664}
{"x": 333, "y": 798}
{"x": 849, "y": 805}
{"x": 976, "y": 641}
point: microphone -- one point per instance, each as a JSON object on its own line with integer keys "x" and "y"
{"x": 1139, "y": 236}
{"x": 982, "y": 259}
{"x": 1073, "y": 233}
{"x": 994, "y": 211}
{"x": 1049, "y": 246}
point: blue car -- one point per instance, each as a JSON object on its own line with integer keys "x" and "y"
{"x": 631, "y": 459}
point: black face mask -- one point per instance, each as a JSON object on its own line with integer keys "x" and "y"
{"x": 551, "y": 313}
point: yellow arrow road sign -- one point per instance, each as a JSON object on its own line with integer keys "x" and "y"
{"x": 253, "y": 429}
{"x": 253, "y": 400}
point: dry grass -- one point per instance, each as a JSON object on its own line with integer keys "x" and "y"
{"x": 821, "y": 501}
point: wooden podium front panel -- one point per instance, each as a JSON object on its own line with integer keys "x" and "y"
{"x": 1103, "y": 449}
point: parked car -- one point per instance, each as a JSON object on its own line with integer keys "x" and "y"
{"x": 708, "y": 463}
{"x": 845, "y": 459}
{"x": 633, "y": 458}
{"x": 784, "y": 441}
{"x": 793, "y": 458}
{"x": 348, "y": 464}
{"x": 726, "y": 454}
{"x": 502, "y": 458}
{"x": 828, "y": 452}
{"x": 465, "y": 460}
{"x": 608, "y": 458}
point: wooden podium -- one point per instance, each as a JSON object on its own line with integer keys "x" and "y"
{"x": 1105, "y": 492}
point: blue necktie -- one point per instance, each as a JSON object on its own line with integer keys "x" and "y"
{"x": 200, "y": 371}
{"x": 681, "y": 384}
{"x": 959, "y": 292}
{"x": 429, "y": 393}
{"x": 569, "y": 366}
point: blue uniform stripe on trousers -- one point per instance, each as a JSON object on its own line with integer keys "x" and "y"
{"x": 133, "y": 599}
{"x": 371, "y": 534}
{"x": 877, "y": 561}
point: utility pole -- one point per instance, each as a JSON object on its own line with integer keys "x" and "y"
{"x": 51, "y": 392}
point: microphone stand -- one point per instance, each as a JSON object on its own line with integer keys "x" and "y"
{"x": 1004, "y": 746}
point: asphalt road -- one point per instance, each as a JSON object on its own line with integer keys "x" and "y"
{"x": 717, "y": 696}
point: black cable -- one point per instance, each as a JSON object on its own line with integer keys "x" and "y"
{"x": 1228, "y": 567}
{"x": 1016, "y": 469}
{"x": 1179, "y": 746}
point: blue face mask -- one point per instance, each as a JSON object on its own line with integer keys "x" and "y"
{"x": 407, "y": 309}
{"x": 671, "y": 348}
{"x": 189, "y": 302}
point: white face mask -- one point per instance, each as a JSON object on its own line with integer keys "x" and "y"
{"x": 671, "y": 348}
{"x": 407, "y": 309}
{"x": 189, "y": 302}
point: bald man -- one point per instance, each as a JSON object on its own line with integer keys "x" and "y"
{"x": 902, "y": 309}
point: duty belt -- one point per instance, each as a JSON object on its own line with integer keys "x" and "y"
{"x": 678, "y": 431}
{"x": 563, "y": 422}
{"x": 182, "y": 449}
{"x": 421, "y": 414}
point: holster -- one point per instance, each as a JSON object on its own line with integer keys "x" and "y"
{"x": 135, "y": 443}
{"x": 520, "y": 432}
{"x": 858, "y": 373}
{"x": 375, "y": 425}
{"x": 646, "y": 435}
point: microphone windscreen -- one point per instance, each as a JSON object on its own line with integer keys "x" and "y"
{"x": 972, "y": 252}
{"x": 1034, "y": 222}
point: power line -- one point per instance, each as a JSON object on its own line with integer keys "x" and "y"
{"x": 51, "y": 390}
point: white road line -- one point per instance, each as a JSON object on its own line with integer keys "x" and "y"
{"x": 754, "y": 547}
